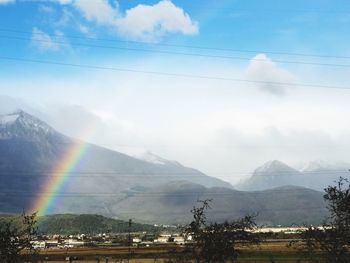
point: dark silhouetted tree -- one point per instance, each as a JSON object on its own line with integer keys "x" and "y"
{"x": 15, "y": 240}
{"x": 333, "y": 238}
{"x": 217, "y": 242}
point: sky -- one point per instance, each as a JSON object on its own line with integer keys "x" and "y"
{"x": 221, "y": 86}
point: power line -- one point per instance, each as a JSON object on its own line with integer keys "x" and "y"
{"x": 118, "y": 174}
{"x": 179, "y": 53}
{"x": 213, "y": 211}
{"x": 264, "y": 209}
{"x": 219, "y": 191}
{"x": 167, "y": 74}
{"x": 233, "y": 211}
{"x": 73, "y": 141}
{"x": 185, "y": 46}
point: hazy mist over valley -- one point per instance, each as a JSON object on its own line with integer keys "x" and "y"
{"x": 211, "y": 156}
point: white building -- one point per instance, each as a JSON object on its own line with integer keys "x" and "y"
{"x": 179, "y": 240}
{"x": 136, "y": 240}
{"x": 38, "y": 244}
{"x": 70, "y": 243}
{"x": 161, "y": 239}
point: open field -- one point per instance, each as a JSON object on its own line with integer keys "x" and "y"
{"x": 271, "y": 251}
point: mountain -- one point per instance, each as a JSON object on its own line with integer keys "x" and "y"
{"x": 274, "y": 168}
{"x": 285, "y": 205}
{"x": 315, "y": 175}
{"x": 321, "y": 165}
{"x": 30, "y": 149}
{"x": 150, "y": 189}
{"x": 270, "y": 175}
{"x": 152, "y": 158}
{"x": 320, "y": 174}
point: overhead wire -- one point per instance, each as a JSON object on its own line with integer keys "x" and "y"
{"x": 118, "y": 174}
{"x": 185, "y": 75}
{"x": 51, "y": 41}
{"x": 73, "y": 141}
{"x": 220, "y": 191}
{"x": 168, "y": 74}
{"x": 183, "y": 46}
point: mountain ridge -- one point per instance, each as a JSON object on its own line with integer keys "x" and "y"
{"x": 315, "y": 175}
{"x": 31, "y": 149}
{"x": 279, "y": 206}
{"x": 116, "y": 185}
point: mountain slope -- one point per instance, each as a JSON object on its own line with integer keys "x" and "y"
{"x": 270, "y": 175}
{"x": 285, "y": 206}
{"x": 30, "y": 149}
{"x": 315, "y": 175}
{"x": 110, "y": 183}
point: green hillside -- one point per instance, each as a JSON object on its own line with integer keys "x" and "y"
{"x": 66, "y": 224}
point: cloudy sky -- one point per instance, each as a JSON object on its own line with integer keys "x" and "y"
{"x": 222, "y": 86}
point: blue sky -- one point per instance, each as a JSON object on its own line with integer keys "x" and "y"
{"x": 292, "y": 26}
{"x": 217, "y": 126}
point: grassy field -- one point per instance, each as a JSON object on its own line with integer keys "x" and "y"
{"x": 272, "y": 251}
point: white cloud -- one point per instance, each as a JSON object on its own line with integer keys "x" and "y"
{"x": 67, "y": 18}
{"x": 261, "y": 68}
{"x": 46, "y": 9}
{"x": 5, "y": 2}
{"x": 147, "y": 22}
{"x": 143, "y": 22}
{"x": 64, "y": 2}
{"x": 45, "y": 42}
{"x": 86, "y": 30}
{"x": 97, "y": 10}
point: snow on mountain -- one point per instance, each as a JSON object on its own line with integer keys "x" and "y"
{"x": 155, "y": 159}
{"x": 8, "y": 119}
{"x": 30, "y": 149}
{"x": 316, "y": 175}
{"x": 274, "y": 168}
{"x": 151, "y": 158}
{"x": 20, "y": 123}
{"x": 270, "y": 175}
{"x": 322, "y": 165}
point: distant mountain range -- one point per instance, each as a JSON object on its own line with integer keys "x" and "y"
{"x": 315, "y": 175}
{"x": 148, "y": 189}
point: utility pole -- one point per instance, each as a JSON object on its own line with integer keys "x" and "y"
{"x": 129, "y": 239}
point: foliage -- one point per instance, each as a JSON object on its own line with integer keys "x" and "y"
{"x": 67, "y": 224}
{"x": 15, "y": 239}
{"x": 333, "y": 238}
{"x": 217, "y": 242}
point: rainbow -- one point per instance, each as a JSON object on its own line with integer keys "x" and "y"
{"x": 58, "y": 177}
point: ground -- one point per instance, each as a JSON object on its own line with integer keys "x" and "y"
{"x": 270, "y": 251}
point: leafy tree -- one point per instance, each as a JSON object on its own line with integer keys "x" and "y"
{"x": 333, "y": 238}
{"x": 217, "y": 242}
{"x": 16, "y": 238}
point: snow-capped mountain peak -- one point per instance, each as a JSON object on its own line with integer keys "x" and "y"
{"x": 20, "y": 117}
{"x": 8, "y": 119}
{"x": 274, "y": 168}
{"x": 20, "y": 124}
